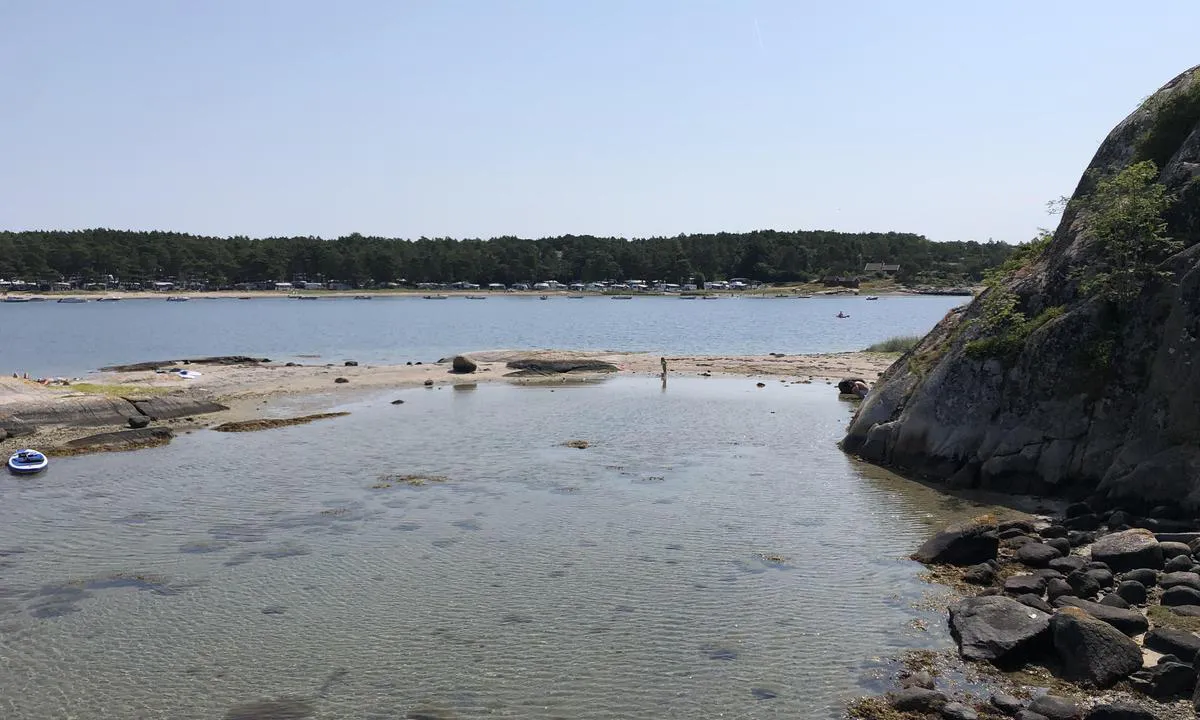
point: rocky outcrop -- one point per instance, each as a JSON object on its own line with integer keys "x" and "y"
{"x": 169, "y": 407}
{"x": 534, "y": 367}
{"x": 1092, "y": 397}
{"x": 214, "y": 360}
{"x": 115, "y": 441}
{"x": 965, "y": 544}
{"x": 462, "y": 364}
{"x": 995, "y": 628}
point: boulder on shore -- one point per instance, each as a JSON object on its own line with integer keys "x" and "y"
{"x": 1091, "y": 650}
{"x": 969, "y": 543}
{"x": 1128, "y": 550}
{"x": 1130, "y": 622}
{"x": 462, "y": 364}
{"x": 996, "y": 628}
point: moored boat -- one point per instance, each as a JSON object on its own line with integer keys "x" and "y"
{"x": 17, "y": 298}
{"x": 435, "y": 297}
{"x": 108, "y": 299}
{"x": 477, "y": 297}
{"x": 622, "y": 297}
{"x": 27, "y": 462}
{"x": 872, "y": 297}
{"x": 362, "y": 297}
{"x": 72, "y": 300}
{"x": 177, "y": 298}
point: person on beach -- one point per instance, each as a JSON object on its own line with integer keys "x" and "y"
{"x": 861, "y": 389}
{"x": 663, "y": 360}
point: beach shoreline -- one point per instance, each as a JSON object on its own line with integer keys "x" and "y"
{"x": 49, "y": 416}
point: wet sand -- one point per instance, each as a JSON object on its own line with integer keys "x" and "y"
{"x": 258, "y": 390}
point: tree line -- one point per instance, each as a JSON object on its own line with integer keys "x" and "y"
{"x": 765, "y": 255}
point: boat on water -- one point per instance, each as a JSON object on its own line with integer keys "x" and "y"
{"x": 307, "y": 297}
{"x": 710, "y": 297}
{"x": 27, "y": 462}
{"x": 842, "y": 315}
{"x": 362, "y": 297}
{"x": 574, "y": 297}
{"x": 804, "y": 297}
{"x": 17, "y": 298}
{"x": 245, "y": 297}
{"x": 622, "y": 297}
{"x": 177, "y": 298}
{"x": 434, "y": 297}
{"x": 108, "y": 299}
{"x": 544, "y": 297}
{"x": 72, "y": 300}
{"x": 477, "y": 297}
{"x": 872, "y": 297}
{"x": 687, "y": 297}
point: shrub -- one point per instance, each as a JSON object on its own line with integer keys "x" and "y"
{"x": 897, "y": 344}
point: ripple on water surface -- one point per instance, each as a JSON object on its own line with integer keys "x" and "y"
{"x": 711, "y": 552}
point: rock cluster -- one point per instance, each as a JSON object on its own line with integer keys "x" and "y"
{"x": 1115, "y": 604}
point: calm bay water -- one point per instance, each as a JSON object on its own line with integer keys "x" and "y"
{"x": 71, "y": 339}
{"x": 712, "y": 554}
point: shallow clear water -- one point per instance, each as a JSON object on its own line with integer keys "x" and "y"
{"x": 712, "y": 554}
{"x": 69, "y": 339}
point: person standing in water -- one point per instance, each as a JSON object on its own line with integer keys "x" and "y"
{"x": 663, "y": 360}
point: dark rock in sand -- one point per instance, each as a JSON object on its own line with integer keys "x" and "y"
{"x": 1179, "y": 563}
{"x": 1084, "y": 585}
{"x": 1147, "y": 578}
{"x": 1024, "y": 526}
{"x": 1054, "y": 707}
{"x": 966, "y": 544}
{"x": 1062, "y": 545}
{"x": 1128, "y": 550}
{"x": 1049, "y": 574}
{"x": 351, "y": 363}
{"x": 463, "y": 364}
{"x": 1053, "y": 531}
{"x": 1021, "y": 584}
{"x": 397, "y": 402}
{"x": 1114, "y": 600}
{"x": 1179, "y": 643}
{"x": 138, "y": 421}
{"x": 1079, "y": 538}
{"x": 1119, "y": 711}
{"x": 1171, "y": 680}
{"x": 1172, "y": 579}
{"x": 1091, "y": 650}
{"x": 916, "y": 699}
{"x": 428, "y": 383}
{"x": 1104, "y": 578}
{"x": 535, "y": 367}
{"x": 1036, "y": 602}
{"x": 340, "y": 380}
{"x": 1083, "y": 522}
{"x": 1006, "y": 703}
{"x": 1172, "y": 549}
{"x": 1010, "y": 533}
{"x": 1180, "y": 595}
{"x": 958, "y": 711}
{"x": 1132, "y": 592}
{"x": 169, "y": 407}
{"x": 995, "y": 628}
{"x": 1067, "y": 565}
{"x": 1120, "y": 520}
{"x": 1130, "y": 622}
{"x": 981, "y": 574}
{"x": 1037, "y": 555}
{"x": 1057, "y": 588}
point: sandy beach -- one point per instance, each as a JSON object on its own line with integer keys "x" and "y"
{"x": 97, "y": 402}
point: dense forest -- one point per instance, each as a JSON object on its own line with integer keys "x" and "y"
{"x": 765, "y": 255}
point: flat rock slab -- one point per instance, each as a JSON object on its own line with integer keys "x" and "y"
{"x": 118, "y": 440}
{"x": 170, "y": 407}
{"x": 215, "y": 360}
{"x": 1130, "y": 622}
{"x": 76, "y": 411}
{"x": 534, "y": 367}
{"x": 1169, "y": 641}
{"x": 995, "y": 628}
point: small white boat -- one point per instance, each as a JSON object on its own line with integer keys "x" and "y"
{"x": 17, "y": 298}
{"x": 177, "y": 298}
{"x": 27, "y": 462}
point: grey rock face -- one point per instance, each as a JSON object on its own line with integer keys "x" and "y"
{"x": 1126, "y": 428}
{"x": 1092, "y": 650}
{"x": 995, "y": 628}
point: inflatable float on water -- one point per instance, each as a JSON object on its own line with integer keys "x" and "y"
{"x": 27, "y": 462}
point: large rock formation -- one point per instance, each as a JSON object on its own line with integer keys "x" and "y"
{"x": 1087, "y": 395}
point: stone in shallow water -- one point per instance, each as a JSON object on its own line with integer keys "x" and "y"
{"x": 763, "y": 693}
{"x": 719, "y": 652}
{"x": 278, "y": 709}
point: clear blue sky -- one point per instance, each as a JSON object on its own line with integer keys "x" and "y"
{"x": 958, "y": 120}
